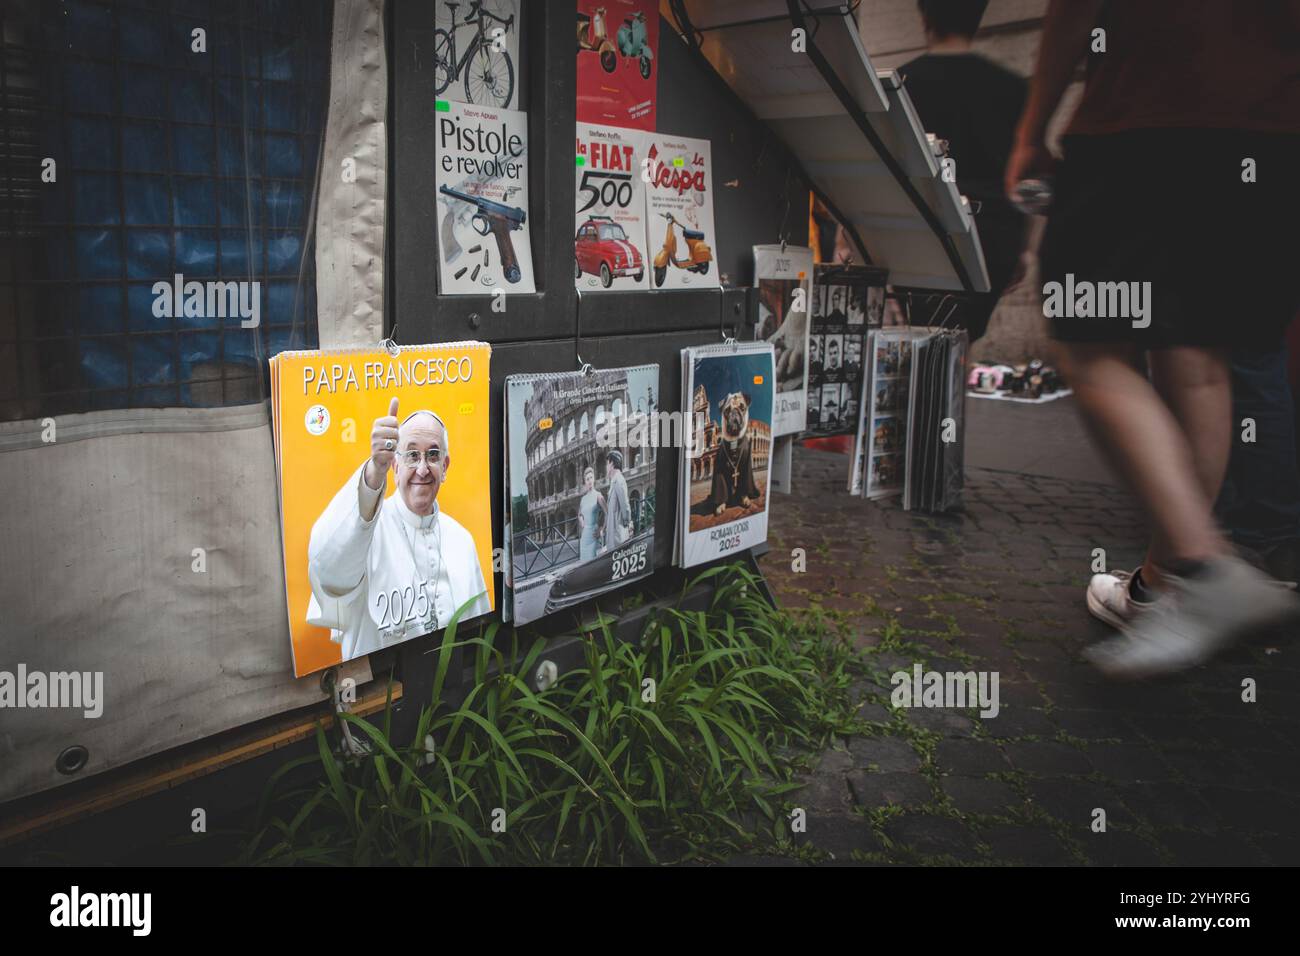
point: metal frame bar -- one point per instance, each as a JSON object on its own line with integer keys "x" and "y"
{"x": 685, "y": 32}
{"x": 839, "y": 8}
{"x": 886, "y": 157}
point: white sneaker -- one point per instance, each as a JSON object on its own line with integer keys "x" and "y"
{"x": 1111, "y": 600}
{"x": 1193, "y": 619}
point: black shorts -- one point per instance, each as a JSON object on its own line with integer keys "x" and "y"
{"x": 1169, "y": 208}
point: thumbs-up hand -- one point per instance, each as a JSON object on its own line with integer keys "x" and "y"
{"x": 383, "y": 447}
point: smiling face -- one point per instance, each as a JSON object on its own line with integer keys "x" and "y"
{"x": 419, "y": 485}
{"x": 588, "y": 479}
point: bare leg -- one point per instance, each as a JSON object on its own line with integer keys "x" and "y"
{"x": 1196, "y": 386}
{"x": 1145, "y": 441}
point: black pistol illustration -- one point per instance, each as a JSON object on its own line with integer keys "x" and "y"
{"x": 499, "y": 219}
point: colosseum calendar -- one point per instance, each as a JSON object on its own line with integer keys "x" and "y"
{"x": 580, "y": 455}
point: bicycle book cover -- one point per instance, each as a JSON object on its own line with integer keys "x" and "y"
{"x": 476, "y": 53}
{"x": 481, "y": 160}
{"x": 384, "y": 501}
{"x": 679, "y": 213}
{"x": 726, "y": 466}
{"x": 581, "y": 451}
{"x": 609, "y": 238}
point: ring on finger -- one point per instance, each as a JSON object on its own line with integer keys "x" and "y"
{"x": 389, "y": 444}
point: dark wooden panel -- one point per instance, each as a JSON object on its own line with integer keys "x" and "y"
{"x": 548, "y": 74}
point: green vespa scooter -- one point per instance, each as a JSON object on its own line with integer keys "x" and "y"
{"x": 632, "y": 41}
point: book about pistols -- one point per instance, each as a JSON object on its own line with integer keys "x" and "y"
{"x": 482, "y": 175}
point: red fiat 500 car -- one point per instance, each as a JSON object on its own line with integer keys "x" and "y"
{"x": 601, "y": 248}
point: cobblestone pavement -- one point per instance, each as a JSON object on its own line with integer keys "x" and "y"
{"x": 1185, "y": 770}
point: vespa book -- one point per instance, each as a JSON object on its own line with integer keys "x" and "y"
{"x": 679, "y": 213}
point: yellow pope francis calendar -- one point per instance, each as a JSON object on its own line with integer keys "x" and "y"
{"x": 384, "y": 494}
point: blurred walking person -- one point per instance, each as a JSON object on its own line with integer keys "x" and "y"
{"x": 1174, "y": 202}
{"x": 973, "y": 104}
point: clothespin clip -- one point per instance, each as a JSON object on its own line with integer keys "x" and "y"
{"x": 584, "y": 367}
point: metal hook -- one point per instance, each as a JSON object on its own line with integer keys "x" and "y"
{"x": 390, "y": 345}
{"x": 938, "y": 308}
{"x": 330, "y": 684}
{"x": 956, "y": 304}
{"x": 584, "y": 368}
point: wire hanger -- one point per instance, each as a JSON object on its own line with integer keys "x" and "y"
{"x": 956, "y": 304}
{"x": 390, "y": 345}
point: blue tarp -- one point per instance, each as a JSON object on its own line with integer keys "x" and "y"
{"x": 176, "y": 161}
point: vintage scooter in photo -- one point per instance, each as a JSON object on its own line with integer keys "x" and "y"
{"x": 593, "y": 36}
{"x": 632, "y": 41}
{"x": 700, "y": 255}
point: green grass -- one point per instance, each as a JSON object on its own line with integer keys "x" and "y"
{"x": 590, "y": 771}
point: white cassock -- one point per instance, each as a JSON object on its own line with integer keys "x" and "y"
{"x": 399, "y": 575}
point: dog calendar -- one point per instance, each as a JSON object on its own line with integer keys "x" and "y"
{"x": 728, "y": 394}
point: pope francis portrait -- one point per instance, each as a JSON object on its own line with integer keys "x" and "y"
{"x": 386, "y": 569}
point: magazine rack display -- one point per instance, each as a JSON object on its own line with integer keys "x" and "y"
{"x": 630, "y": 203}
{"x": 632, "y": 307}
{"x": 910, "y": 437}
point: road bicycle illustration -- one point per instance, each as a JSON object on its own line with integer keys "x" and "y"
{"x": 489, "y": 73}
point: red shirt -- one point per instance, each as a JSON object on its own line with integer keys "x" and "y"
{"x": 1224, "y": 64}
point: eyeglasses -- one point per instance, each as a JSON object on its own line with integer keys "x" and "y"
{"x": 412, "y": 458}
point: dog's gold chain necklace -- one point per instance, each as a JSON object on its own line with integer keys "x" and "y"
{"x": 735, "y": 470}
